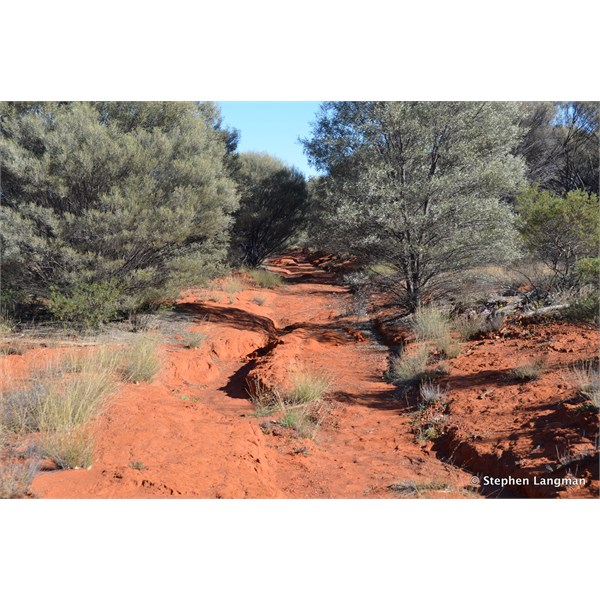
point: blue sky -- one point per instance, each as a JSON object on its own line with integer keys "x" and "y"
{"x": 273, "y": 127}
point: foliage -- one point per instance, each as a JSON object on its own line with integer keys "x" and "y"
{"x": 195, "y": 339}
{"x": 265, "y": 279}
{"x": 563, "y": 233}
{"x": 560, "y": 145}
{"x": 410, "y": 367}
{"x": 273, "y": 199}
{"x": 87, "y": 305}
{"x": 529, "y": 371}
{"x": 141, "y": 361}
{"x": 129, "y": 192}
{"x": 417, "y": 186}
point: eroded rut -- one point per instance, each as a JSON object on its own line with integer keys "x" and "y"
{"x": 196, "y": 433}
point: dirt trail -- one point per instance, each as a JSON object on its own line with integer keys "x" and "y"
{"x": 193, "y": 431}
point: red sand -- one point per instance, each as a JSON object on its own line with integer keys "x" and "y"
{"x": 194, "y": 432}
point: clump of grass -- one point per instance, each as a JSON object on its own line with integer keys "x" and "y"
{"x": 195, "y": 339}
{"x": 7, "y": 324}
{"x": 12, "y": 349}
{"x": 430, "y": 323}
{"x": 232, "y": 285}
{"x": 57, "y": 398}
{"x": 69, "y": 449}
{"x": 410, "y": 367}
{"x": 141, "y": 362}
{"x": 261, "y": 396}
{"x": 260, "y": 300}
{"x": 104, "y": 359}
{"x": 16, "y": 478}
{"x": 471, "y": 327}
{"x": 408, "y": 489}
{"x": 586, "y": 377}
{"x": 308, "y": 386}
{"x": 529, "y": 371}
{"x": 58, "y": 402}
{"x": 137, "y": 465}
{"x": 301, "y": 406}
{"x": 430, "y": 393}
{"x": 265, "y": 279}
{"x": 448, "y": 346}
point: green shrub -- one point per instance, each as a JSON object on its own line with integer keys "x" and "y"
{"x": 87, "y": 306}
{"x": 558, "y": 231}
{"x": 265, "y": 279}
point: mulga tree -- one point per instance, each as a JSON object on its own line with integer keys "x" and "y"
{"x": 273, "y": 198}
{"x": 418, "y": 186}
{"x": 128, "y": 198}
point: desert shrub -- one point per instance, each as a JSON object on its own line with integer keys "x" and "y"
{"x": 86, "y": 305}
{"x": 260, "y": 300}
{"x": 265, "y": 279}
{"x": 195, "y": 339}
{"x": 560, "y": 232}
{"x": 583, "y": 310}
{"x": 134, "y": 192}
{"x": 419, "y": 186}
{"x": 529, "y": 371}
{"x": 141, "y": 361}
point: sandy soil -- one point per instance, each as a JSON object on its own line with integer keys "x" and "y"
{"x": 197, "y": 435}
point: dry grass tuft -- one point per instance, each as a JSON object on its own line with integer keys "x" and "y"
{"x": 195, "y": 339}
{"x": 265, "y": 279}
{"x": 141, "y": 361}
{"x": 233, "y": 285}
{"x": 586, "y": 377}
{"x": 529, "y": 371}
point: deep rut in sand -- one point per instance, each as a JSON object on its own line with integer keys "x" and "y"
{"x": 195, "y": 431}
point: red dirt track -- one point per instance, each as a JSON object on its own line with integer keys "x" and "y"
{"x": 194, "y": 431}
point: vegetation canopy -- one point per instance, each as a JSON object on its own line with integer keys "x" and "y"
{"x": 419, "y": 186}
